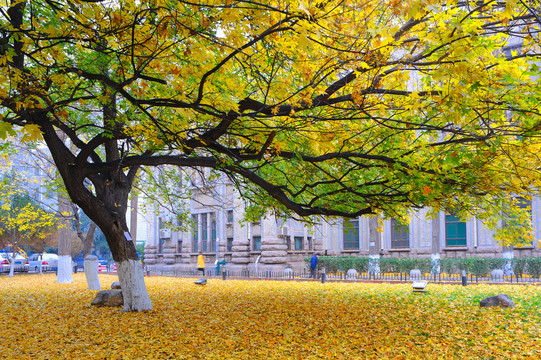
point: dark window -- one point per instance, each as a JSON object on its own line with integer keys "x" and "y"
{"x": 205, "y": 232}
{"x": 400, "y": 236}
{"x": 257, "y": 243}
{"x": 179, "y": 246}
{"x": 230, "y": 216}
{"x": 213, "y": 234}
{"x": 455, "y": 231}
{"x": 160, "y": 246}
{"x": 298, "y": 242}
{"x": 351, "y": 235}
{"x": 229, "y": 244}
{"x": 310, "y": 243}
{"x": 195, "y": 235}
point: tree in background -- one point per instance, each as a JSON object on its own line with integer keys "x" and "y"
{"x": 38, "y": 177}
{"x": 333, "y": 108}
{"x": 23, "y": 223}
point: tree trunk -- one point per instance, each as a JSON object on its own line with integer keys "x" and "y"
{"x": 64, "y": 272}
{"x": 12, "y": 265}
{"x": 133, "y": 216}
{"x": 106, "y": 205}
{"x": 41, "y": 264}
{"x": 134, "y": 291}
{"x": 91, "y": 272}
{"x": 88, "y": 241}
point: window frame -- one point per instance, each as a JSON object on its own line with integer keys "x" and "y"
{"x": 398, "y": 240}
{"x": 455, "y": 240}
{"x": 256, "y": 243}
{"x": 350, "y": 235}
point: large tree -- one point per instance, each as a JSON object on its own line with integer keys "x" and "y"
{"x": 333, "y": 108}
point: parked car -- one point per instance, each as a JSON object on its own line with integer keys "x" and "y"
{"x": 20, "y": 262}
{"x": 49, "y": 262}
{"x": 104, "y": 265}
{"x": 80, "y": 262}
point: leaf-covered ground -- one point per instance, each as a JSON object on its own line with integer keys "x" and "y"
{"x": 41, "y": 319}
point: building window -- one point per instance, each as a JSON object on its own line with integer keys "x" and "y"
{"x": 161, "y": 246}
{"x": 298, "y": 242}
{"x": 351, "y": 235}
{"x": 310, "y": 243}
{"x": 213, "y": 232}
{"x": 400, "y": 236}
{"x": 229, "y": 245}
{"x": 195, "y": 234}
{"x": 455, "y": 231}
{"x": 229, "y": 216}
{"x": 179, "y": 246}
{"x": 256, "y": 243}
{"x": 205, "y": 232}
{"x": 524, "y": 227}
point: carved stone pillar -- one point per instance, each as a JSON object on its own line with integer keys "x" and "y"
{"x": 374, "y": 245}
{"x": 151, "y": 254}
{"x": 273, "y": 249}
{"x": 435, "y": 256}
{"x": 169, "y": 251}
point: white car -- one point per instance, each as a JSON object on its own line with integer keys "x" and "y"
{"x": 48, "y": 262}
{"x": 20, "y": 262}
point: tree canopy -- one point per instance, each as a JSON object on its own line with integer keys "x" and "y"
{"x": 334, "y": 108}
{"x": 24, "y": 224}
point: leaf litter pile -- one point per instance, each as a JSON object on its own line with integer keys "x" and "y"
{"x": 241, "y": 319}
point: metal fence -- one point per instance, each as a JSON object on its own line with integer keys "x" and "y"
{"x": 341, "y": 276}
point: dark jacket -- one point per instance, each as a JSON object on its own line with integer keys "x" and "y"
{"x": 313, "y": 262}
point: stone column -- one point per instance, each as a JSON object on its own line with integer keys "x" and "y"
{"x": 169, "y": 250}
{"x": 151, "y": 254}
{"x": 435, "y": 256}
{"x": 241, "y": 253}
{"x": 507, "y": 253}
{"x": 151, "y": 247}
{"x": 273, "y": 249}
{"x": 374, "y": 245}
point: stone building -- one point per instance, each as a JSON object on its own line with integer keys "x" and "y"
{"x": 276, "y": 244}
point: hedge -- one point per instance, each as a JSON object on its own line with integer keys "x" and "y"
{"x": 476, "y": 266}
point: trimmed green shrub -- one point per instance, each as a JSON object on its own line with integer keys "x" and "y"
{"x": 534, "y": 267}
{"x": 519, "y": 266}
{"x": 479, "y": 267}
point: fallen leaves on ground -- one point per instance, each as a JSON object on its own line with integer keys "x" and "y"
{"x": 241, "y": 319}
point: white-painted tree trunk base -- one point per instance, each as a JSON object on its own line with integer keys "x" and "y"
{"x": 64, "y": 270}
{"x": 132, "y": 280}
{"x": 91, "y": 272}
{"x": 12, "y": 267}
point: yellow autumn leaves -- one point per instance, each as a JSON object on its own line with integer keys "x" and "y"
{"x": 238, "y": 319}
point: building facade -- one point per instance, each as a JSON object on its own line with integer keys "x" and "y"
{"x": 275, "y": 244}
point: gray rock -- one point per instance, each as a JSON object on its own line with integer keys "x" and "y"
{"x": 288, "y": 272}
{"x": 352, "y": 273}
{"x": 111, "y": 298}
{"x": 501, "y": 300}
{"x": 116, "y": 285}
{"x": 497, "y": 275}
{"x": 415, "y": 274}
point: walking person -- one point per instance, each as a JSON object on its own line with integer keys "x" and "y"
{"x": 313, "y": 266}
{"x": 201, "y": 263}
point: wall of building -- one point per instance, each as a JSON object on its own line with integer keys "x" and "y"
{"x": 276, "y": 244}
